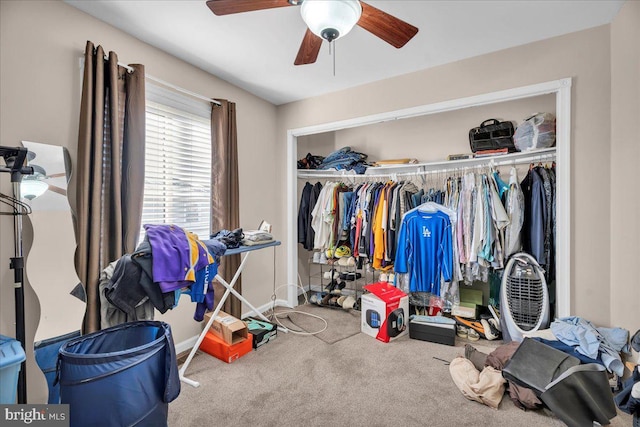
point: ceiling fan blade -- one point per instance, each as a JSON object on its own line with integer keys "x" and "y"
{"x": 227, "y": 7}
{"x": 309, "y": 49}
{"x": 58, "y": 190}
{"x": 56, "y": 175}
{"x": 394, "y": 31}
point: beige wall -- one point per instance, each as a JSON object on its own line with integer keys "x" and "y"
{"x": 584, "y": 56}
{"x": 625, "y": 158}
{"x": 425, "y": 138}
{"x": 41, "y": 43}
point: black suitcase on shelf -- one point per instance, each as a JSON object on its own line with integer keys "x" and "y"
{"x": 492, "y": 134}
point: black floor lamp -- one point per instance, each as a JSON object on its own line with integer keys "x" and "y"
{"x": 15, "y": 159}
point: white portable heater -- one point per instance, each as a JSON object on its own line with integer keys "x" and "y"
{"x": 524, "y": 297}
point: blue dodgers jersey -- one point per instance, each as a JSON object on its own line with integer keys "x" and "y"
{"x": 424, "y": 250}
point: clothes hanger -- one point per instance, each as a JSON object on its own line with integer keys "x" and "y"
{"x": 18, "y": 207}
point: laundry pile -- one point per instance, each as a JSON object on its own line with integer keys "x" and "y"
{"x": 169, "y": 262}
{"x": 565, "y": 368}
{"x": 310, "y": 161}
{"x": 345, "y": 159}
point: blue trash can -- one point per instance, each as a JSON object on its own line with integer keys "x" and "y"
{"x": 11, "y": 357}
{"x": 125, "y": 375}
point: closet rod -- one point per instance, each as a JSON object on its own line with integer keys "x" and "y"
{"x": 174, "y": 87}
{"x": 484, "y": 162}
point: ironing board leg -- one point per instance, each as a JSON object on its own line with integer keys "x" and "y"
{"x": 229, "y": 289}
{"x": 196, "y": 346}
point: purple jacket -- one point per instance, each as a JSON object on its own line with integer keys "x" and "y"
{"x": 175, "y": 257}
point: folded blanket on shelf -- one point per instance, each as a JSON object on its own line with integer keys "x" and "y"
{"x": 256, "y": 237}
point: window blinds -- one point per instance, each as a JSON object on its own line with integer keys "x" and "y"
{"x": 177, "y": 187}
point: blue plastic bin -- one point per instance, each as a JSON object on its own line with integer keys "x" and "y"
{"x": 125, "y": 375}
{"x": 11, "y": 356}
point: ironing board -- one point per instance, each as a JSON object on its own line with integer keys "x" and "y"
{"x": 246, "y": 250}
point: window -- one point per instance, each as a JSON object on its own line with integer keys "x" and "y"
{"x": 177, "y": 188}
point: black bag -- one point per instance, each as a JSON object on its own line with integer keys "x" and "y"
{"x": 492, "y": 134}
{"x": 581, "y": 395}
{"x": 534, "y": 365}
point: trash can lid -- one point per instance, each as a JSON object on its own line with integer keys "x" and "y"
{"x": 11, "y": 352}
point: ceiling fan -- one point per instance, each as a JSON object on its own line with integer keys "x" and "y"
{"x": 35, "y": 185}
{"x": 328, "y": 20}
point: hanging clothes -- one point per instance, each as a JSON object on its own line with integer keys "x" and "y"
{"x": 488, "y": 220}
{"x": 534, "y": 216}
{"x": 514, "y": 204}
{"x": 424, "y": 250}
{"x": 303, "y": 214}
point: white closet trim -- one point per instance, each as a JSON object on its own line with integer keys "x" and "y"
{"x": 561, "y": 88}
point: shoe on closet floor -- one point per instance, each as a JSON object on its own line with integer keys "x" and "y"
{"x": 325, "y": 299}
{"x": 473, "y": 335}
{"x": 490, "y": 331}
{"x": 313, "y": 299}
{"x": 347, "y": 262}
{"x": 350, "y": 275}
{"x": 331, "y": 274}
{"x": 462, "y": 331}
{"x": 348, "y": 303}
{"x": 331, "y": 286}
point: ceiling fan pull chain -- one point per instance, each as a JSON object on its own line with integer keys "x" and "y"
{"x": 334, "y": 58}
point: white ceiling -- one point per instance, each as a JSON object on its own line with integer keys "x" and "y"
{"x": 255, "y": 50}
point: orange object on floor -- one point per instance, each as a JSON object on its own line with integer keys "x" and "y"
{"x": 474, "y": 324}
{"x": 215, "y": 346}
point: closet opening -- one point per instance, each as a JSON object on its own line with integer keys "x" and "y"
{"x": 435, "y": 131}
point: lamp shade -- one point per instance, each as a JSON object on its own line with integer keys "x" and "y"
{"x": 32, "y": 188}
{"x": 331, "y": 19}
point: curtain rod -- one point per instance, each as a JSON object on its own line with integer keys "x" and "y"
{"x": 174, "y": 87}
{"x": 483, "y": 162}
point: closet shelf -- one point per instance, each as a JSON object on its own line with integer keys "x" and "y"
{"x": 434, "y": 167}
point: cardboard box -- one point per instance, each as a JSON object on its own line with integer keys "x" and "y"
{"x": 441, "y": 333}
{"x": 385, "y": 311}
{"x": 467, "y": 310}
{"x": 261, "y": 330}
{"x": 227, "y": 327}
{"x": 215, "y": 346}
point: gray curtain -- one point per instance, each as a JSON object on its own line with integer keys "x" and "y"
{"x": 105, "y": 190}
{"x": 225, "y": 198}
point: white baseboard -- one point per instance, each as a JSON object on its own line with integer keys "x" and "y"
{"x": 188, "y": 344}
{"x": 267, "y": 307}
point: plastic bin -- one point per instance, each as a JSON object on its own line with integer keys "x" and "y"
{"x": 125, "y": 375}
{"x": 11, "y": 356}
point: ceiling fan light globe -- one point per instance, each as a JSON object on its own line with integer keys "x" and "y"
{"x": 330, "y": 19}
{"x": 32, "y": 188}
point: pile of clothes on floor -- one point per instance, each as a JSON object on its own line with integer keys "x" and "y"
{"x": 568, "y": 368}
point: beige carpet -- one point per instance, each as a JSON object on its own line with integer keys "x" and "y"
{"x": 357, "y": 381}
{"x": 342, "y": 324}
